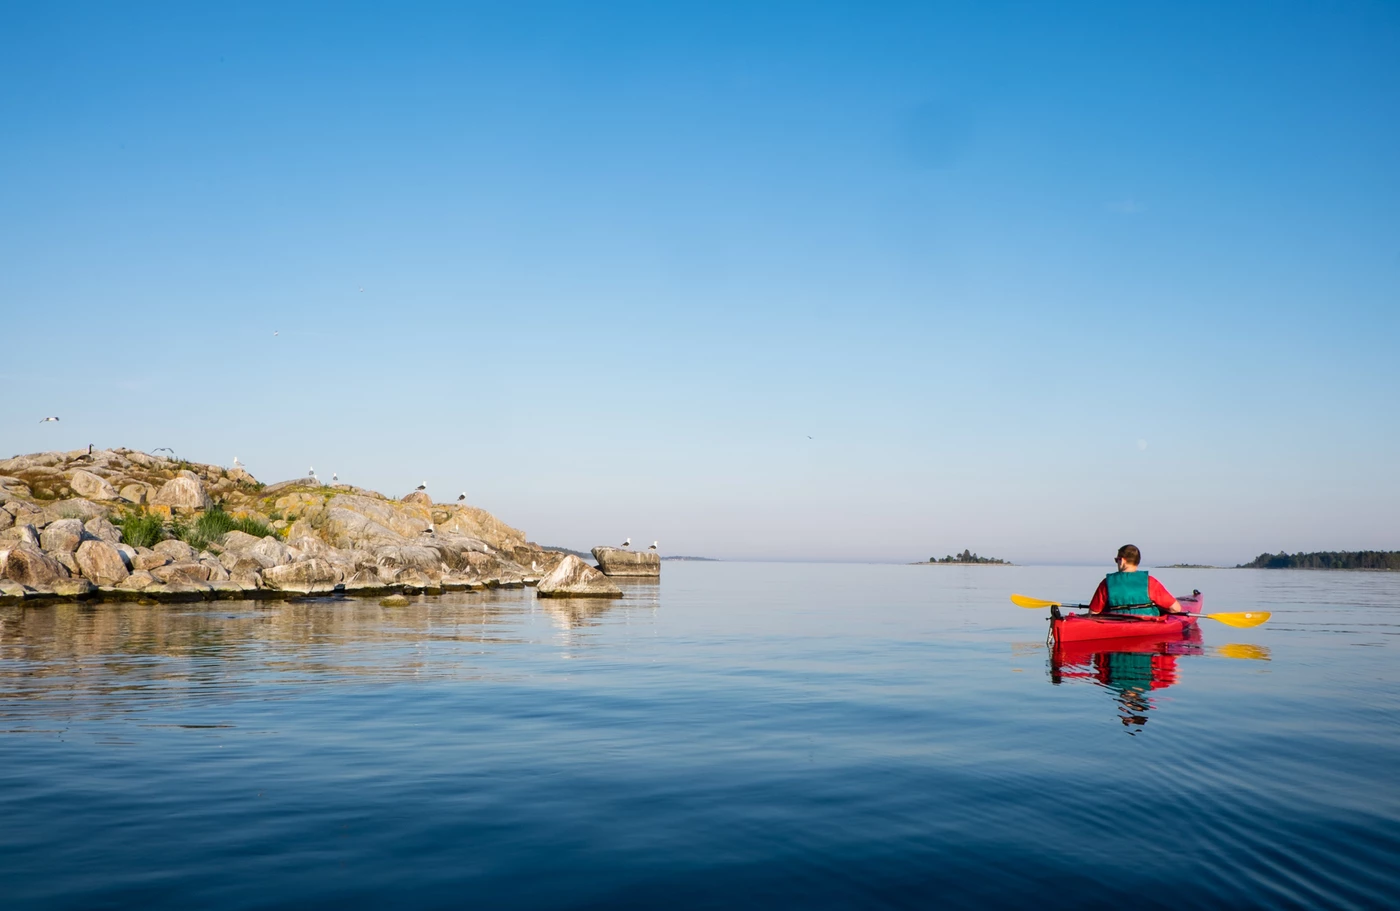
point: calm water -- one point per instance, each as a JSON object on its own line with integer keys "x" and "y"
{"x": 743, "y": 735}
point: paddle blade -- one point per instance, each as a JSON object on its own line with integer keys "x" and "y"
{"x": 1023, "y": 601}
{"x": 1241, "y": 620}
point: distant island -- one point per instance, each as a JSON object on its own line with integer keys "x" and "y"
{"x": 1188, "y": 566}
{"x": 966, "y": 556}
{"x": 1327, "y": 559}
{"x": 692, "y": 559}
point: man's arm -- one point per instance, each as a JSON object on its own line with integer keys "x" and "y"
{"x": 1100, "y": 599}
{"x": 1157, "y": 593}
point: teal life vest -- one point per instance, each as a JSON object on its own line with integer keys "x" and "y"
{"x": 1127, "y": 594}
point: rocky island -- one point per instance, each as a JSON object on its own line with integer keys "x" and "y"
{"x": 123, "y": 524}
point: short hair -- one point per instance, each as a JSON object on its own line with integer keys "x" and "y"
{"x": 1130, "y": 554}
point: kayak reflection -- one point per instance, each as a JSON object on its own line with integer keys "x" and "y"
{"x": 1130, "y": 668}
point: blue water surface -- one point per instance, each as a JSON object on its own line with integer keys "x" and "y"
{"x": 740, "y": 735}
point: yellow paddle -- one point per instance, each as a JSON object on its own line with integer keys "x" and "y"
{"x": 1242, "y": 620}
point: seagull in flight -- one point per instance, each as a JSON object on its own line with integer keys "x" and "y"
{"x": 46, "y": 420}
{"x": 362, "y": 289}
{"x": 164, "y": 449}
{"x": 274, "y": 333}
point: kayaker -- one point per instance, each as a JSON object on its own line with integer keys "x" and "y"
{"x": 1129, "y": 591}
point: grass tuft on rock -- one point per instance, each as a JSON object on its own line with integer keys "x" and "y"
{"x": 214, "y": 524}
{"x": 141, "y": 529}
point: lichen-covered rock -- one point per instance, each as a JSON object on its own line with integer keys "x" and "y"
{"x": 185, "y": 491}
{"x": 419, "y": 498}
{"x": 86, "y": 484}
{"x": 270, "y": 552}
{"x": 76, "y": 508}
{"x": 21, "y": 534}
{"x": 573, "y": 578}
{"x": 618, "y": 562}
{"x": 28, "y": 565}
{"x": 101, "y": 562}
{"x": 63, "y": 536}
{"x": 238, "y": 541}
{"x": 178, "y": 551}
{"x": 147, "y": 559}
{"x": 172, "y": 572}
{"x": 103, "y": 530}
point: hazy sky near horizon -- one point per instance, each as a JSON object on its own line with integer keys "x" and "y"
{"x": 774, "y": 280}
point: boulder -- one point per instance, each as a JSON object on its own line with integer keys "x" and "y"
{"x": 184, "y": 491}
{"x": 270, "y": 552}
{"x": 173, "y": 572}
{"x": 178, "y": 551}
{"x": 419, "y": 498}
{"x": 9, "y": 588}
{"x": 103, "y": 530}
{"x": 618, "y": 562}
{"x": 147, "y": 559}
{"x": 73, "y": 588}
{"x": 101, "y": 562}
{"x": 238, "y": 541}
{"x": 63, "y": 536}
{"x": 76, "y": 508}
{"x": 86, "y": 484}
{"x": 573, "y": 578}
{"x": 304, "y": 576}
{"x": 6, "y": 519}
{"x": 22, "y": 534}
{"x": 28, "y": 565}
{"x": 68, "y": 562}
{"x": 134, "y": 493}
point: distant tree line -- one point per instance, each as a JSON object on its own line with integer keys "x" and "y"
{"x": 966, "y": 556}
{"x": 1327, "y": 559}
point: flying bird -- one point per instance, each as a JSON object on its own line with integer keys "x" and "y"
{"x": 274, "y": 333}
{"x": 627, "y": 543}
{"x": 162, "y": 449}
{"x": 653, "y": 546}
{"x": 362, "y": 289}
{"x": 46, "y": 420}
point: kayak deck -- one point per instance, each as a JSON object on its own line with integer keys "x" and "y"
{"x": 1084, "y": 627}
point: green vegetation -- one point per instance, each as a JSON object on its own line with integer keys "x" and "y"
{"x": 968, "y": 556}
{"x": 1327, "y": 559}
{"x": 141, "y": 529}
{"x": 213, "y": 525}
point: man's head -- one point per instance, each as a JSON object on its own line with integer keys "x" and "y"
{"x": 1128, "y": 557}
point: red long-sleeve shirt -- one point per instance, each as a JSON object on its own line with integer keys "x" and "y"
{"x": 1156, "y": 592}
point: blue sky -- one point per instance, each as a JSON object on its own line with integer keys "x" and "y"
{"x": 1036, "y": 279}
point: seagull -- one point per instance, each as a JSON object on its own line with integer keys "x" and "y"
{"x": 362, "y": 289}
{"x": 236, "y": 463}
{"x": 534, "y": 566}
{"x": 334, "y": 477}
{"x": 461, "y": 496}
{"x": 627, "y": 543}
{"x": 430, "y": 530}
{"x": 158, "y": 448}
{"x": 311, "y": 472}
{"x": 423, "y": 486}
{"x": 274, "y": 333}
{"x": 46, "y": 420}
{"x": 653, "y": 546}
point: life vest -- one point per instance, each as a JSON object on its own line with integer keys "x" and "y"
{"x": 1127, "y": 594}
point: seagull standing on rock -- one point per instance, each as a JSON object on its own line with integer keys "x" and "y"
{"x": 423, "y": 486}
{"x": 334, "y": 477}
{"x": 236, "y": 463}
{"x": 627, "y": 543}
{"x": 461, "y": 496}
{"x": 653, "y": 546}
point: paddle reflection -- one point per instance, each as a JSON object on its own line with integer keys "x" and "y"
{"x": 1131, "y": 670}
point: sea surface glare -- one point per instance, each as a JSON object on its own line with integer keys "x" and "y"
{"x": 740, "y": 736}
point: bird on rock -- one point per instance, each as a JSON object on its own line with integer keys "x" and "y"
{"x": 627, "y": 543}
{"x": 311, "y": 472}
{"x": 423, "y": 486}
{"x": 236, "y": 463}
{"x": 653, "y": 546}
{"x": 461, "y": 496}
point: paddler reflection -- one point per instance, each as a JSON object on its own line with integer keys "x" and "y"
{"x": 1131, "y": 669}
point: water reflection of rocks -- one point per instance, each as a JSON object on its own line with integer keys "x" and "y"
{"x": 67, "y": 650}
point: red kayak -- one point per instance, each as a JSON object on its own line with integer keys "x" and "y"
{"x": 1084, "y": 627}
